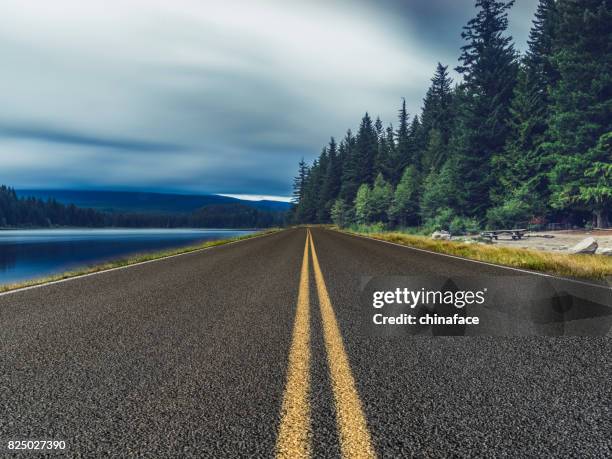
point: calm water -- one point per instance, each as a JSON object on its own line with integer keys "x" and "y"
{"x": 28, "y": 254}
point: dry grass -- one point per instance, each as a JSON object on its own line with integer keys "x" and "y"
{"x": 133, "y": 259}
{"x": 578, "y": 266}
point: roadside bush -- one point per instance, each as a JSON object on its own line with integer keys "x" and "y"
{"x": 464, "y": 225}
{"x": 506, "y": 215}
{"x": 377, "y": 227}
{"x": 441, "y": 221}
{"x": 341, "y": 213}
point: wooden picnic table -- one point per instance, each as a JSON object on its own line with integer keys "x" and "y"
{"x": 516, "y": 234}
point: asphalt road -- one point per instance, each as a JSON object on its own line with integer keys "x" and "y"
{"x": 257, "y": 348}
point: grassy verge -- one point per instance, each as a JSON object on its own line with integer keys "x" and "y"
{"x": 578, "y": 266}
{"x": 130, "y": 260}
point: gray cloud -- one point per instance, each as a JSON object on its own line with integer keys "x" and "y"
{"x": 51, "y": 135}
{"x": 227, "y": 95}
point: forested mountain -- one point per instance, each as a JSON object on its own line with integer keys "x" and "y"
{"x": 519, "y": 138}
{"x": 143, "y": 202}
{"x": 30, "y": 211}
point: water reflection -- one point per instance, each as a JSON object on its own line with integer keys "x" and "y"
{"x": 27, "y": 254}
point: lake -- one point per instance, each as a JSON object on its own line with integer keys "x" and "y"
{"x": 28, "y": 254}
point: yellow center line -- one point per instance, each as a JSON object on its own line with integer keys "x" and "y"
{"x": 355, "y": 441}
{"x": 293, "y": 439}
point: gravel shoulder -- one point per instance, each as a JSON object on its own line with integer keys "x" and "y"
{"x": 561, "y": 241}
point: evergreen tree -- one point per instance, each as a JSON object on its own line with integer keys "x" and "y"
{"x": 538, "y": 62}
{"x": 380, "y": 200}
{"x": 488, "y": 65}
{"x": 403, "y": 150}
{"x": 331, "y": 182}
{"x": 386, "y": 160}
{"x": 581, "y": 109}
{"x": 366, "y": 148}
{"x": 341, "y": 213}
{"x": 405, "y": 204}
{"x": 320, "y": 177}
{"x": 438, "y": 192}
{"x": 417, "y": 142}
{"x": 436, "y": 151}
{"x": 437, "y": 119}
{"x": 350, "y": 174}
{"x": 378, "y": 127}
{"x": 522, "y": 168}
{"x": 299, "y": 182}
{"x": 307, "y": 209}
{"x": 584, "y": 182}
{"x": 362, "y": 204}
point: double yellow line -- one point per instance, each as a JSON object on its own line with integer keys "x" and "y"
{"x": 294, "y": 436}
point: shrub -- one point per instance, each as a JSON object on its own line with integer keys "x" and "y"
{"x": 441, "y": 221}
{"x": 377, "y": 227}
{"x": 464, "y": 225}
{"x": 513, "y": 210}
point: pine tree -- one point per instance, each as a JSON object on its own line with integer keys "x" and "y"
{"x": 584, "y": 182}
{"x": 378, "y": 127}
{"x": 350, "y": 173}
{"x": 322, "y": 209}
{"x": 541, "y": 40}
{"x": 489, "y": 67}
{"x": 366, "y": 147}
{"x": 362, "y": 204}
{"x": 380, "y": 200}
{"x": 403, "y": 150}
{"x": 437, "y": 112}
{"x": 417, "y": 141}
{"x": 581, "y": 110}
{"x": 405, "y": 204}
{"x": 522, "y": 168}
{"x": 299, "y": 182}
{"x": 341, "y": 213}
{"x": 438, "y": 192}
{"x": 437, "y": 119}
{"x": 386, "y": 159}
{"x": 331, "y": 182}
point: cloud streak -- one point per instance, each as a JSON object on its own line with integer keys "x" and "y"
{"x": 51, "y": 135}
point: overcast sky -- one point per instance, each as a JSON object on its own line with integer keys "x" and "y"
{"x": 208, "y": 96}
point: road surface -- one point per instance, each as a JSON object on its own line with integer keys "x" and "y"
{"x": 256, "y": 349}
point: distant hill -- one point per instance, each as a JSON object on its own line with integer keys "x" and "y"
{"x": 145, "y": 202}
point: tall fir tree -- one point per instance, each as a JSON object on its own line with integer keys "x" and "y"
{"x": 522, "y": 168}
{"x": 350, "y": 177}
{"x": 581, "y": 110}
{"x": 437, "y": 119}
{"x": 366, "y": 148}
{"x": 403, "y": 150}
{"x": 489, "y": 67}
{"x": 405, "y": 203}
{"x": 380, "y": 200}
{"x": 437, "y": 104}
{"x": 330, "y": 188}
{"x": 386, "y": 160}
{"x": 417, "y": 143}
{"x": 299, "y": 182}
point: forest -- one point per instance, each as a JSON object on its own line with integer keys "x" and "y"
{"x": 520, "y": 139}
{"x": 16, "y": 212}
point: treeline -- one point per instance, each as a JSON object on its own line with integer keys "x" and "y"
{"x": 519, "y": 138}
{"x": 18, "y": 212}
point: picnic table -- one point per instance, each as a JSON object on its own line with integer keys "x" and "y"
{"x": 516, "y": 234}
